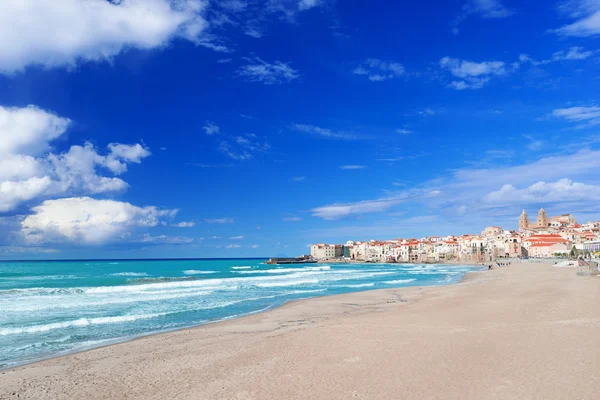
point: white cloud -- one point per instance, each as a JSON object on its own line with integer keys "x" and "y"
{"x": 186, "y": 224}
{"x": 211, "y": 128}
{"x": 87, "y": 221}
{"x": 29, "y": 130}
{"x": 563, "y": 190}
{"x": 308, "y": 4}
{"x": 243, "y": 148}
{"x": 220, "y": 221}
{"x": 378, "y": 70}
{"x": 426, "y": 112}
{"x": 14, "y": 193}
{"x": 235, "y": 154}
{"x": 575, "y": 53}
{"x": 587, "y": 18}
{"x": 337, "y": 211}
{"x": 298, "y": 179}
{"x": 353, "y": 167}
{"x": 534, "y": 144}
{"x": 589, "y": 115}
{"x": 163, "y": 239}
{"x": 236, "y": 238}
{"x": 233, "y": 246}
{"x": 473, "y": 75}
{"x": 323, "y": 132}
{"x": 404, "y": 131}
{"x": 488, "y": 9}
{"x": 464, "y": 196}
{"x": 254, "y": 246}
{"x": 58, "y": 33}
{"x": 28, "y": 170}
{"x": 292, "y": 219}
{"x": 261, "y": 71}
{"x": 216, "y": 237}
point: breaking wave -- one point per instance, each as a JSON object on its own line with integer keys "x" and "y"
{"x": 129, "y": 274}
{"x": 399, "y": 281}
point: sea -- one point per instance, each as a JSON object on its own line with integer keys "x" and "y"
{"x": 51, "y": 308}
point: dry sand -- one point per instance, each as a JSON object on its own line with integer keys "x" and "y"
{"x": 527, "y": 331}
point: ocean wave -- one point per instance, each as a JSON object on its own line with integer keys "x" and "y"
{"x": 286, "y": 270}
{"x": 161, "y": 279}
{"x": 80, "y": 322}
{"x": 197, "y": 272}
{"x": 399, "y": 281}
{"x": 358, "y": 285}
{"x": 91, "y": 302}
{"x": 287, "y": 283}
{"x": 129, "y": 274}
{"x": 39, "y": 277}
{"x": 242, "y": 267}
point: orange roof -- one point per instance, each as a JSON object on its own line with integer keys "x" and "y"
{"x": 546, "y": 244}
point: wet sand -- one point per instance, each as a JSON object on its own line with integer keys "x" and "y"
{"x": 528, "y": 331}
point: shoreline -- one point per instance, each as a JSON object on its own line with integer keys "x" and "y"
{"x": 124, "y": 340}
{"x": 521, "y": 316}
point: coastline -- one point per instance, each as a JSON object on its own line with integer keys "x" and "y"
{"x": 95, "y": 344}
{"x": 140, "y": 366}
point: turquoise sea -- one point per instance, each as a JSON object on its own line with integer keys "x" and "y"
{"x": 48, "y": 308}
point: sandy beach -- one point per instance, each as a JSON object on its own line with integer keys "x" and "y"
{"x": 528, "y": 331}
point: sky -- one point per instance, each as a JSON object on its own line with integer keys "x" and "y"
{"x": 253, "y": 128}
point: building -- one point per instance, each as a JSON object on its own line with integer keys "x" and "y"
{"x": 547, "y": 250}
{"x": 524, "y": 223}
{"x": 324, "y": 251}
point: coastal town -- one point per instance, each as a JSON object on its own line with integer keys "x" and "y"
{"x": 547, "y": 237}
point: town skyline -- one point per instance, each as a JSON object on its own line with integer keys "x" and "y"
{"x": 545, "y": 238}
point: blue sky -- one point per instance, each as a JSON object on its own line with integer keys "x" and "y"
{"x": 256, "y": 127}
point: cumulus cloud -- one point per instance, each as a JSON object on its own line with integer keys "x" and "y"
{"x": 261, "y": 71}
{"x": 236, "y": 238}
{"x": 29, "y": 130}
{"x": 86, "y": 220}
{"x": 586, "y": 16}
{"x": 233, "y": 246}
{"x": 28, "y": 170}
{"x": 473, "y": 75}
{"x": 69, "y": 31}
{"x": 378, "y": 70}
{"x": 563, "y": 190}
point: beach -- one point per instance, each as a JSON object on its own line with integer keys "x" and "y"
{"x": 528, "y": 331}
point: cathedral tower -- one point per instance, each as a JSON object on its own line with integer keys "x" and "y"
{"x": 523, "y": 221}
{"x": 542, "y": 219}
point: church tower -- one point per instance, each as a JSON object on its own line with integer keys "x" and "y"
{"x": 523, "y": 221}
{"x": 542, "y": 219}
